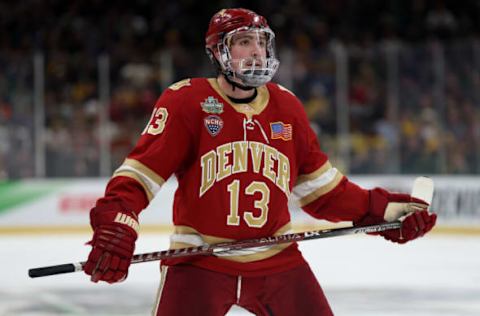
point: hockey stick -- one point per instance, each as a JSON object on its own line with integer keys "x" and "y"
{"x": 422, "y": 189}
{"x": 225, "y": 247}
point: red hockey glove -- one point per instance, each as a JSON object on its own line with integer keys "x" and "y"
{"x": 388, "y": 207}
{"x": 414, "y": 225}
{"x": 113, "y": 244}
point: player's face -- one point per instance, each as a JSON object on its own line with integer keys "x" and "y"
{"x": 248, "y": 49}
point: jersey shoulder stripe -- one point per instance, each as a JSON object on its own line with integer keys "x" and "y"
{"x": 184, "y": 93}
{"x": 285, "y": 89}
{"x": 311, "y": 186}
{"x": 180, "y": 84}
{"x": 148, "y": 179}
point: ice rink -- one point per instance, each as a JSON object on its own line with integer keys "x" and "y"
{"x": 361, "y": 275}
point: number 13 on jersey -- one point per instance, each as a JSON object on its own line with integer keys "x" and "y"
{"x": 258, "y": 221}
{"x": 157, "y": 121}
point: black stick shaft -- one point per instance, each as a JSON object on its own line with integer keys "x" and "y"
{"x": 225, "y": 247}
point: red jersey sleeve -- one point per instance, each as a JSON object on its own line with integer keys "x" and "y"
{"x": 162, "y": 149}
{"x": 164, "y": 144}
{"x": 321, "y": 189}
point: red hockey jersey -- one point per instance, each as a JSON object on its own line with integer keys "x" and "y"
{"x": 237, "y": 166}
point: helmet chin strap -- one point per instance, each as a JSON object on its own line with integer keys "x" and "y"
{"x": 237, "y": 85}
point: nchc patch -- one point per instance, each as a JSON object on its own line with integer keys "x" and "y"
{"x": 214, "y": 124}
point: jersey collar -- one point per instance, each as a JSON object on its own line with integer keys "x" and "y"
{"x": 249, "y": 109}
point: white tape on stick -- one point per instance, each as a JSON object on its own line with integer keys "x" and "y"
{"x": 423, "y": 189}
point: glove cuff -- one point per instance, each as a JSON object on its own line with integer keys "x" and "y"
{"x": 125, "y": 219}
{"x": 378, "y": 201}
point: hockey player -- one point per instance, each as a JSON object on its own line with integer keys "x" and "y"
{"x": 240, "y": 147}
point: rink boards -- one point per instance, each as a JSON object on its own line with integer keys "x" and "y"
{"x": 61, "y": 206}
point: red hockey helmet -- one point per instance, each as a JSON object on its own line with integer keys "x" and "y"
{"x": 228, "y": 22}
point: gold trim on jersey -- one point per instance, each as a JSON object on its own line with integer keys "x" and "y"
{"x": 208, "y": 239}
{"x": 145, "y": 170}
{"x": 316, "y": 184}
{"x": 134, "y": 176}
{"x": 306, "y": 177}
{"x": 321, "y": 191}
{"x": 148, "y": 179}
{"x": 285, "y": 89}
{"x": 163, "y": 277}
{"x": 180, "y": 84}
{"x": 249, "y": 109}
{"x": 275, "y": 249}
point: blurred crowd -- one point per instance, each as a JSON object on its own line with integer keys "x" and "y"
{"x": 412, "y": 68}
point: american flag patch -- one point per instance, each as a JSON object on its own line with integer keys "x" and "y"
{"x": 281, "y": 130}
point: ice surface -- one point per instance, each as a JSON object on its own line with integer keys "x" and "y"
{"x": 361, "y": 275}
